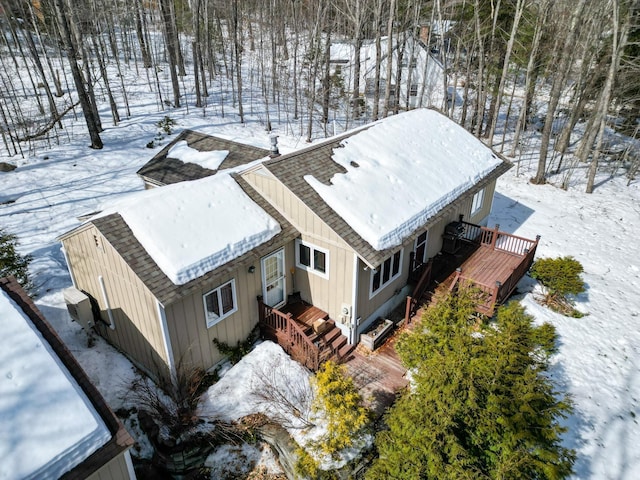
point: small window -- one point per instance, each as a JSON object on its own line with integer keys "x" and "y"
{"x": 311, "y": 258}
{"x": 421, "y": 248}
{"x": 477, "y": 202}
{"x": 388, "y": 271}
{"x": 413, "y": 90}
{"x": 220, "y": 302}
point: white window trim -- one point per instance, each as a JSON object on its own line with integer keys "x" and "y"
{"x": 213, "y": 321}
{"x": 313, "y": 247}
{"x": 391, "y": 279}
{"x": 426, "y": 243}
{"x": 478, "y": 202}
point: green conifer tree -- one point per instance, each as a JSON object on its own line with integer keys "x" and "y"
{"x": 11, "y": 262}
{"x": 339, "y": 400}
{"x": 480, "y": 405}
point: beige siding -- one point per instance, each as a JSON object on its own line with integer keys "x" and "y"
{"x": 330, "y": 293}
{"x": 116, "y": 469}
{"x": 133, "y": 307}
{"x": 192, "y": 340}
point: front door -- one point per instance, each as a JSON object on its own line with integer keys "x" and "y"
{"x": 273, "y": 279}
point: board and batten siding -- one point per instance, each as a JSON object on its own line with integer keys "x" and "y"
{"x": 116, "y": 469}
{"x": 137, "y": 329}
{"x": 191, "y": 339}
{"x": 328, "y": 294}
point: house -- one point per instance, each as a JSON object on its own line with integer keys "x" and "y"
{"x": 313, "y": 246}
{"x": 417, "y": 76}
{"x": 53, "y": 422}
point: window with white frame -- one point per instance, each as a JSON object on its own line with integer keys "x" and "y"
{"x": 477, "y": 202}
{"x": 421, "y": 248}
{"x": 312, "y": 258}
{"x": 388, "y": 271}
{"x": 220, "y": 302}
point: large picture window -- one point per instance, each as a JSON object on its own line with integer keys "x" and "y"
{"x": 477, "y": 202}
{"x": 220, "y": 302}
{"x": 388, "y": 271}
{"x": 311, "y": 258}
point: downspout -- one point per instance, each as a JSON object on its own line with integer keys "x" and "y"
{"x": 353, "y": 330}
{"x": 166, "y": 339}
{"x": 112, "y": 323}
{"x": 66, "y": 259}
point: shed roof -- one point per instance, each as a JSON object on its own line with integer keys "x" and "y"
{"x": 71, "y": 463}
{"x": 164, "y": 170}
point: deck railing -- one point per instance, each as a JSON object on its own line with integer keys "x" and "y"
{"x": 489, "y": 295}
{"x": 289, "y": 335}
{"x": 505, "y": 242}
{"x": 498, "y": 240}
{"x": 418, "y": 291}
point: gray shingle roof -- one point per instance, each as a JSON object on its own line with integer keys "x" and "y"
{"x": 119, "y": 235}
{"x": 163, "y": 170}
{"x": 316, "y": 160}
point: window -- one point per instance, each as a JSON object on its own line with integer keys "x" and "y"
{"x": 413, "y": 90}
{"x": 220, "y": 302}
{"x": 311, "y": 258}
{"x": 421, "y": 248}
{"x": 388, "y": 271}
{"x": 478, "y": 200}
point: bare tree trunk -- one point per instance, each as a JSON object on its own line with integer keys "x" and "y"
{"x": 170, "y": 38}
{"x": 563, "y": 60}
{"x": 144, "y": 50}
{"x": 237, "y": 45}
{"x": 619, "y": 41}
{"x": 72, "y": 56}
{"x": 505, "y": 67}
{"x": 541, "y": 20}
{"x": 376, "y": 80}
{"x": 390, "y": 40}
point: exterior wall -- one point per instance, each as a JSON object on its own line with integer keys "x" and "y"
{"x": 133, "y": 307}
{"x": 331, "y": 293}
{"x": 116, "y": 469}
{"x": 191, "y": 339}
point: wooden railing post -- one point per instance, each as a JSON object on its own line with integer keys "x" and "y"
{"x": 495, "y": 235}
{"x": 407, "y": 311}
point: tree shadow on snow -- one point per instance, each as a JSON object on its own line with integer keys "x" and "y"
{"x": 510, "y": 214}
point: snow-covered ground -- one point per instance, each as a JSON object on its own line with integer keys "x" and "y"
{"x": 599, "y": 355}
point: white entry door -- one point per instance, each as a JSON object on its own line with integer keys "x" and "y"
{"x": 273, "y": 279}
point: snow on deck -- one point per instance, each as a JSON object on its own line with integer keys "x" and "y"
{"x": 47, "y": 424}
{"x": 400, "y": 172}
{"x": 191, "y": 228}
{"x": 208, "y": 159}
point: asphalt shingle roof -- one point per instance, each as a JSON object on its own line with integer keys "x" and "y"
{"x": 317, "y": 161}
{"x": 119, "y": 235}
{"x": 164, "y": 170}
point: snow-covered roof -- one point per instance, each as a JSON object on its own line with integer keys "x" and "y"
{"x": 47, "y": 424}
{"x": 191, "y": 228}
{"x": 207, "y": 159}
{"x": 400, "y": 172}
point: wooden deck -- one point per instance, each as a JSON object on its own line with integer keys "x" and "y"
{"x": 378, "y": 375}
{"x": 303, "y": 313}
{"x": 489, "y": 259}
{"x": 487, "y": 266}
